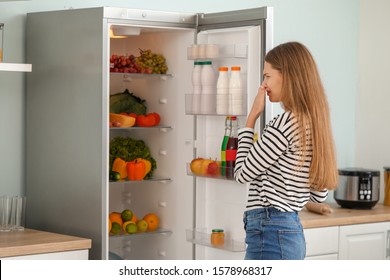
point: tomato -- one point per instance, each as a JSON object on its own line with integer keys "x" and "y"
{"x": 145, "y": 120}
{"x": 157, "y": 118}
{"x": 134, "y": 115}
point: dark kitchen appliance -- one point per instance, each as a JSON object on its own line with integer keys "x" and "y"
{"x": 358, "y": 188}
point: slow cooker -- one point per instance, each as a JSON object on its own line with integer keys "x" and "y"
{"x": 357, "y": 188}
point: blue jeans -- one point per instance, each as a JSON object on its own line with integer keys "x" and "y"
{"x": 273, "y": 235}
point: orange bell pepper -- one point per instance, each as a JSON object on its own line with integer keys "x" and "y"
{"x": 135, "y": 170}
{"x": 119, "y": 165}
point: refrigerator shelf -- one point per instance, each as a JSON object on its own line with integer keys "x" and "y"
{"x": 161, "y": 231}
{"x": 161, "y": 127}
{"x": 201, "y": 237}
{"x": 130, "y": 76}
{"x": 125, "y": 181}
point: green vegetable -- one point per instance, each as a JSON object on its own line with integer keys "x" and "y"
{"x": 127, "y": 102}
{"x": 115, "y": 176}
{"x": 130, "y": 149}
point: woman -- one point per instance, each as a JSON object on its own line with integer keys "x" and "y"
{"x": 294, "y": 160}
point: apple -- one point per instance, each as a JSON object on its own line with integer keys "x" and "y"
{"x": 205, "y": 165}
{"x": 213, "y": 169}
{"x": 196, "y": 166}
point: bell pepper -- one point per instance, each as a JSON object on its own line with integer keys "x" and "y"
{"x": 148, "y": 165}
{"x": 119, "y": 165}
{"x": 135, "y": 170}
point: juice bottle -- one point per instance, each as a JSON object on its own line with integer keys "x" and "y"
{"x": 224, "y": 145}
{"x": 231, "y": 148}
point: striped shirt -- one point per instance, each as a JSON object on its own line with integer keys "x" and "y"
{"x": 272, "y": 167}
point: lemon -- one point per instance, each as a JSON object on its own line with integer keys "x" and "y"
{"x": 126, "y": 215}
{"x": 142, "y": 225}
{"x": 130, "y": 227}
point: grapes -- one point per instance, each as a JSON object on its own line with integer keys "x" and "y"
{"x": 147, "y": 63}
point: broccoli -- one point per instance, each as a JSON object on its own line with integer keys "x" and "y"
{"x": 129, "y": 149}
{"x": 127, "y": 102}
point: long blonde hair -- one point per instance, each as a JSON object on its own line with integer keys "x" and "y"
{"x": 303, "y": 94}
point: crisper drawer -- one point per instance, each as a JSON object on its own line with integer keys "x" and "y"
{"x": 322, "y": 241}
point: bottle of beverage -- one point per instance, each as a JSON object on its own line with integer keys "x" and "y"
{"x": 224, "y": 145}
{"x": 222, "y": 99}
{"x": 208, "y": 79}
{"x": 235, "y": 92}
{"x": 231, "y": 148}
{"x": 196, "y": 86}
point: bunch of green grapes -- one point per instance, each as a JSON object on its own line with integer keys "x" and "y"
{"x": 151, "y": 63}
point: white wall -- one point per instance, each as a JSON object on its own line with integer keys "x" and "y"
{"x": 328, "y": 27}
{"x": 373, "y": 99}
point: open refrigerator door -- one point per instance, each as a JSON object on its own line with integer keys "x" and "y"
{"x": 220, "y": 202}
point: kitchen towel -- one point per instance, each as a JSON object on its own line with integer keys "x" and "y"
{"x": 319, "y": 208}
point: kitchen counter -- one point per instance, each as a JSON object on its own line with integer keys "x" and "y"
{"x": 31, "y": 242}
{"x": 343, "y": 216}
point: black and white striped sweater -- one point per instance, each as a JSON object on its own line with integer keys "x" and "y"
{"x": 271, "y": 165}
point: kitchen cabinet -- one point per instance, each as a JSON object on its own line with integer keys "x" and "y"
{"x": 31, "y": 244}
{"x": 322, "y": 243}
{"x": 352, "y": 242}
{"x": 365, "y": 241}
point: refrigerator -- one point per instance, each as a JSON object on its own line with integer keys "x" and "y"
{"x": 68, "y": 137}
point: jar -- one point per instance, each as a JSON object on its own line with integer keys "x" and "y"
{"x": 217, "y": 237}
{"x": 386, "y": 176}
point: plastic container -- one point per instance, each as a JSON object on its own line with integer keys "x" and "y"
{"x": 386, "y": 200}
{"x": 222, "y": 98}
{"x": 1, "y": 41}
{"x": 196, "y": 87}
{"x": 208, "y": 79}
{"x": 217, "y": 237}
{"x": 235, "y": 92}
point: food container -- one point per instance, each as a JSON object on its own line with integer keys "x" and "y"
{"x": 217, "y": 237}
{"x": 1, "y": 41}
{"x": 386, "y": 176}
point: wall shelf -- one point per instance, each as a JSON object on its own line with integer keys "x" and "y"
{"x": 15, "y": 67}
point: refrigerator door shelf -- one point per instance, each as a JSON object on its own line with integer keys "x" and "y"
{"x": 202, "y": 237}
{"x": 217, "y": 174}
{"x": 198, "y": 104}
{"x": 195, "y": 52}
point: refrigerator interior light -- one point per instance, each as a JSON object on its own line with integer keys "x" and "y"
{"x": 116, "y": 36}
{"x": 125, "y": 31}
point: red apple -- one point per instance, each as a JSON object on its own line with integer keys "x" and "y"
{"x": 213, "y": 169}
